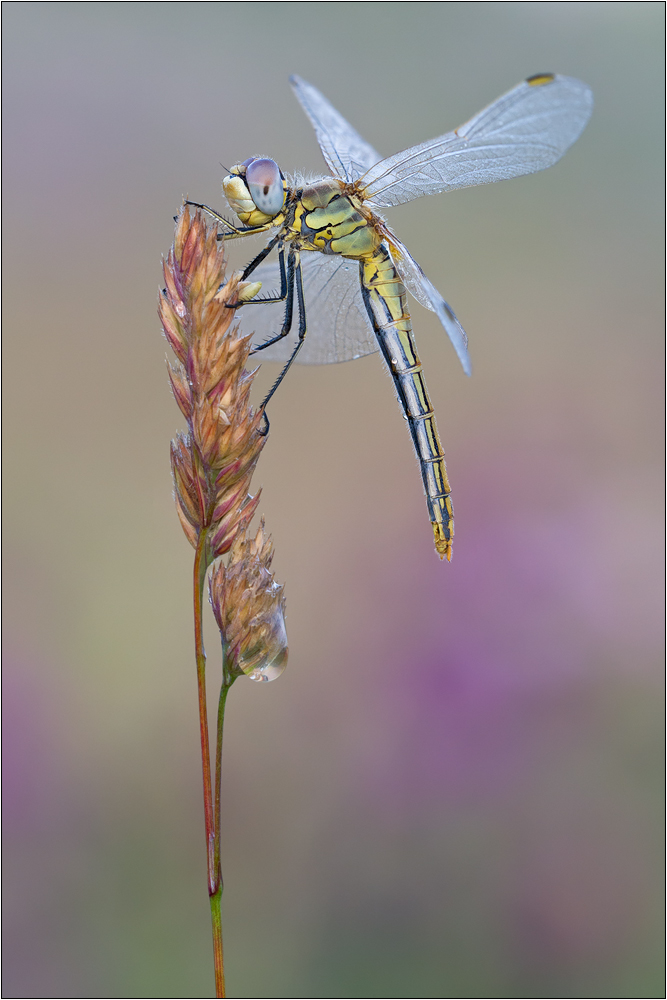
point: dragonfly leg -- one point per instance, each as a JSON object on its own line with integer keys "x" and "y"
{"x": 262, "y": 255}
{"x": 294, "y": 258}
{"x": 279, "y": 297}
{"x": 287, "y": 281}
{"x": 255, "y": 262}
{"x": 235, "y": 231}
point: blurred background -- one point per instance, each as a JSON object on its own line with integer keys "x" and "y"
{"x": 455, "y": 788}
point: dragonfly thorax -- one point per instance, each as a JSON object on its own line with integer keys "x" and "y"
{"x": 327, "y": 219}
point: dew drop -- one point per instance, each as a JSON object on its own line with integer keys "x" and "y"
{"x": 270, "y": 669}
{"x": 265, "y": 656}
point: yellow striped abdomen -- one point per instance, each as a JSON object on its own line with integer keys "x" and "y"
{"x": 386, "y": 301}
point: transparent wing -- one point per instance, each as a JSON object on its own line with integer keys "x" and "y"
{"x": 527, "y": 129}
{"x": 346, "y": 153}
{"x": 428, "y": 295}
{"x": 338, "y": 328}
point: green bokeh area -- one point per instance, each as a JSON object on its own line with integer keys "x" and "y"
{"x": 453, "y": 791}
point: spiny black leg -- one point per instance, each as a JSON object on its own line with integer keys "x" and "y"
{"x": 289, "y": 304}
{"x": 235, "y": 230}
{"x": 287, "y": 291}
{"x": 302, "y": 330}
{"x": 251, "y": 267}
{"x": 212, "y": 212}
{"x": 265, "y": 429}
{"x": 256, "y": 261}
{"x": 283, "y": 280}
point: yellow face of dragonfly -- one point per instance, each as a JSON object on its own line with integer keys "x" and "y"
{"x": 256, "y": 191}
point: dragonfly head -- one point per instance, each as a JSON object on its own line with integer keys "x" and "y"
{"x": 256, "y": 190}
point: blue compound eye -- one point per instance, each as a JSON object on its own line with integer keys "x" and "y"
{"x": 265, "y": 184}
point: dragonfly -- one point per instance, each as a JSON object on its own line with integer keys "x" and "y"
{"x": 348, "y": 273}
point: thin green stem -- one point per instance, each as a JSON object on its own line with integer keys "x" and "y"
{"x": 216, "y": 923}
{"x": 213, "y": 868}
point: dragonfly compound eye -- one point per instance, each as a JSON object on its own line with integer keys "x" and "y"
{"x": 265, "y": 185}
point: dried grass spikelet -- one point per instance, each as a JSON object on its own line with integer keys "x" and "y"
{"x": 249, "y": 607}
{"x": 212, "y": 464}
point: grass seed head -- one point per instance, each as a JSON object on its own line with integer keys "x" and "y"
{"x": 249, "y": 607}
{"x": 213, "y": 463}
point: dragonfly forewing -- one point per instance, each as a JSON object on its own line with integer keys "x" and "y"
{"x": 348, "y": 156}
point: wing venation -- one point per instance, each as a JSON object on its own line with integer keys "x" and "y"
{"x": 525, "y": 130}
{"x": 347, "y": 154}
{"x": 338, "y": 328}
{"x": 428, "y": 295}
